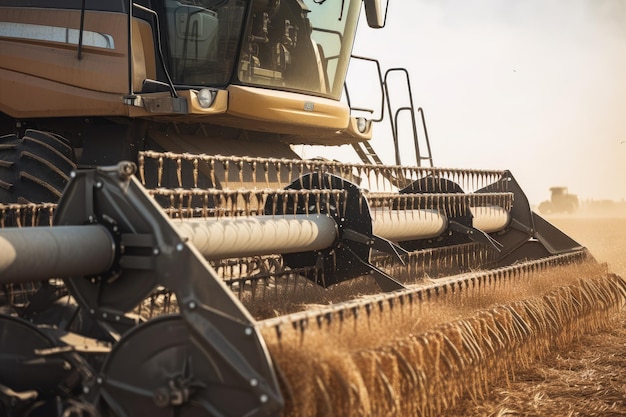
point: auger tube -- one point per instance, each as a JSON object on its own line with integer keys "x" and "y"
{"x": 90, "y": 249}
{"x": 490, "y": 219}
{"x": 229, "y": 237}
{"x": 398, "y": 225}
{"x": 32, "y": 254}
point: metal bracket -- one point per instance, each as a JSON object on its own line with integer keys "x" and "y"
{"x": 475, "y": 235}
{"x": 376, "y": 242}
{"x": 153, "y": 254}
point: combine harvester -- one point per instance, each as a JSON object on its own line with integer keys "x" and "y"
{"x": 164, "y": 252}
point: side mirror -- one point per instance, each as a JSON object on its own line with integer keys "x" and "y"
{"x": 374, "y": 13}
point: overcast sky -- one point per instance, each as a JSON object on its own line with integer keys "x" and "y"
{"x": 534, "y": 86}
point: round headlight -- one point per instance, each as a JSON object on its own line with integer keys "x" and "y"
{"x": 361, "y": 124}
{"x": 206, "y": 97}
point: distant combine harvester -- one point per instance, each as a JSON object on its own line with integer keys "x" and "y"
{"x": 561, "y": 201}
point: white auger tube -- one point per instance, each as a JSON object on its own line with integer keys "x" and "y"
{"x": 40, "y": 253}
{"x": 230, "y": 237}
{"x": 30, "y": 254}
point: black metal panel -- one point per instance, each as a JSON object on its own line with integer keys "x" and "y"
{"x": 350, "y": 211}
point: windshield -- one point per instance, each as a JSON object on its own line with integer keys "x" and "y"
{"x": 294, "y": 45}
{"x": 203, "y": 37}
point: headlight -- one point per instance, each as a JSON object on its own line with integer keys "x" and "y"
{"x": 206, "y": 97}
{"x": 361, "y": 124}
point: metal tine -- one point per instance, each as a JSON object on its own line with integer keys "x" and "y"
{"x": 246, "y": 202}
{"x": 212, "y": 173}
{"x": 342, "y": 181}
{"x": 360, "y": 171}
{"x": 226, "y": 166}
{"x": 333, "y": 169}
{"x": 33, "y": 216}
{"x": 253, "y": 165}
{"x": 220, "y": 202}
{"x": 179, "y": 171}
{"x": 397, "y": 175}
{"x": 195, "y": 172}
{"x": 323, "y": 180}
{"x": 349, "y": 172}
{"x": 259, "y": 202}
{"x": 411, "y": 175}
{"x": 341, "y": 170}
{"x": 277, "y": 167}
{"x": 341, "y": 202}
{"x": 274, "y": 204}
{"x": 181, "y": 204}
{"x": 295, "y": 204}
{"x": 301, "y": 166}
{"x": 431, "y": 201}
{"x": 229, "y": 204}
{"x": 19, "y": 217}
{"x": 379, "y": 177}
{"x": 296, "y": 201}
{"x": 368, "y": 172}
{"x": 172, "y": 201}
{"x": 239, "y": 165}
{"x": 142, "y": 173}
{"x": 159, "y": 171}
{"x": 205, "y": 205}
{"x": 266, "y": 173}
{"x": 289, "y": 172}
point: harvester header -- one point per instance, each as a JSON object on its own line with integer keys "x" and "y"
{"x": 115, "y": 246}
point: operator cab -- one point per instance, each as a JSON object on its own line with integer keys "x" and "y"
{"x": 292, "y": 45}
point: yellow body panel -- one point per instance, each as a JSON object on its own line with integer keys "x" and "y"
{"x": 289, "y": 108}
{"x": 43, "y": 77}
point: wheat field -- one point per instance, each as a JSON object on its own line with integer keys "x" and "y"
{"x": 588, "y": 376}
{"x": 546, "y": 344}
